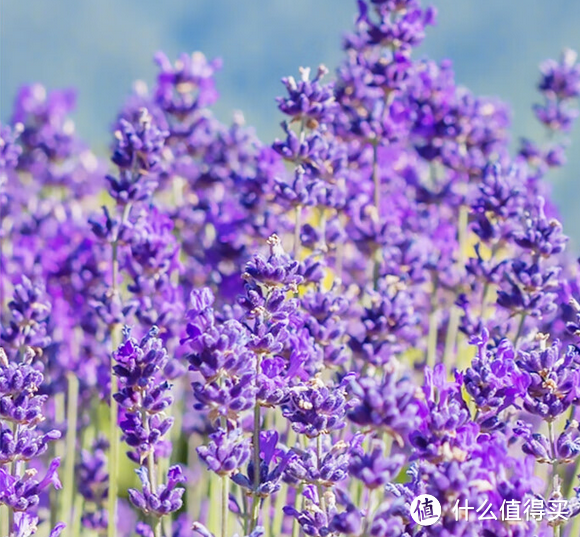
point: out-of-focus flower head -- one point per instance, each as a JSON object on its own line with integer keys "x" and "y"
{"x": 187, "y": 85}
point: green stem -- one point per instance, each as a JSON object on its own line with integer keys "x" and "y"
{"x": 282, "y": 494}
{"x": 281, "y": 497}
{"x": 484, "y": 298}
{"x": 520, "y": 328}
{"x": 451, "y": 336}
{"x": 15, "y": 470}
{"x": 59, "y": 447}
{"x": 295, "y": 525}
{"x": 486, "y": 288}
{"x": 224, "y": 525}
{"x": 177, "y": 411}
{"x": 4, "y": 520}
{"x": 256, "y": 446}
{"x": 76, "y": 516}
{"x": 568, "y": 484}
{"x": 552, "y": 440}
{"x": 193, "y": 496}
{"x": 71, "y": 435}
{"x": 60, "y": 418}
{"x": 455, "y": 314}
{"x": 387, "y": 441}
{"x": 11, "y": 531}
{"x": 113, "y": 450}
{"x": 575, "y": 530}
{"x": 113, "y": 429}
{"x": 432, "y": 339}
{"x": 246, "y": 518}
{"x": 367, "y": 513}
{"x": 255, "y": 512}
{"x": 114, "y": 436}
{"x": 322, "y": 226}
{"x": 157, "y": 526}
{"x": 297, "y": 226}
{"x": 213, "y": 516}
{"x": 319, "y": 487}
{"x": 267, "y": 518}
{"x": 167, "y": 524}
{"x": 151, "y": 470}
{"x": 433, "y": 329}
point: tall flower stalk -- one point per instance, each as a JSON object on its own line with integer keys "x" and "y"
{"x": 144, "y": 398}
{"x": 22, "y": 409}
{"x": 136, "y": 154}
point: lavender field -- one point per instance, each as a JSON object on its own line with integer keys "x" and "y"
{"x": 369, "y": 326}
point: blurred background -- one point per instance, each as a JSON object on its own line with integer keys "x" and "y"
{"x": 101, "y": 47}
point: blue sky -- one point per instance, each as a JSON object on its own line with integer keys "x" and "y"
{"x": 102, "y": 46}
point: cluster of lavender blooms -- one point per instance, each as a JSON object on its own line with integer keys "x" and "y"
{"x": 295, "y": 338}
{"x": 24, "y": 437}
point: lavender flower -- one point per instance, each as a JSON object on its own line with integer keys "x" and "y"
{"x": 390, "y": 405}
{"x": 559, "y": 85}
{"x": 553, "y": 380}
{"x": 312, "y": 519}
{"x": 162, "y": 501}
{"x": 24, "y": 446}
{"x": 315, "y": 409}
{"x": 30, "y": 311}
{"x": 561, "y": 79}
{"x": 373, "y": 469}
{"x": 186, "y": 86}
{"x": 493, "y": 381}
{"x": 22, "y": 493}
{"x": 326, "y": 468}
{"x": 143, "y": 397}
{"x": 269, "y": 480}
{"x": 307, "y": 99}
{"x": 226, "y": 452}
